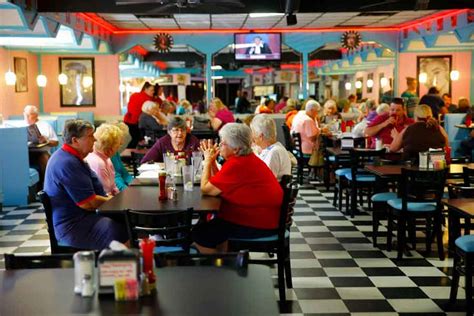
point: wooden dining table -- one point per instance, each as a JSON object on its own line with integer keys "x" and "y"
{"x": 145, "y": 198}
{"x": 181, "y": 290}
{"x": 457, "y": 209}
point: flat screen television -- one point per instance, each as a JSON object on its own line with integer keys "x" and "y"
{"x": 257, "y": 46}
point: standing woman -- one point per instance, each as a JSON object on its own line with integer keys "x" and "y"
{"x": 134, "y": 110}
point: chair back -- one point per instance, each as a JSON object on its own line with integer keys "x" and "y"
{"x": 173, "y": 228}
{"x": 468, "y": 175}
{"x": 288, "y": 140}
{"x": 13, "y": 262}
{"x": 48, "y": 211}
{"x": 362, "y": 157}
{"x": 135, "y": 160}
{"x": 235, "y": 260}
{"x": 290, "y": 192}
{"x": 422, "y": 186}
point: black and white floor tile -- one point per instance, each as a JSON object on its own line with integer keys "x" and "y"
{"x": 336, "y": 270}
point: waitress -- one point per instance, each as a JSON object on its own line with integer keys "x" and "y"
{"x": 134, "y": 109}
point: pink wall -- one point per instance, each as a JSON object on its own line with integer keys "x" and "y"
{"x": 107, "y": 82}
{"x": 12, "y": 102}
{"x": 461, "y": 61}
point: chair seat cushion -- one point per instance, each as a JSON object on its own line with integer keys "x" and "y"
{"x": 361, "y": 178}
{"x": 261, "y": 239}
{"x": 465, "y": 243}
{"x": 384, "y": 196}
{"x": 413, "y": 206}
{"x": 33, "y": 177}
{"x": 342, "y": 171}
{"x": 164, "y": 249}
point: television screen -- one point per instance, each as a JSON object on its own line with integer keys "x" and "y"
{"x": 257, "y": 46}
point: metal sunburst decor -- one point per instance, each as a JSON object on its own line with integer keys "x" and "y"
{"x": 163, "y": 42}
{"x": 351, "y": 39}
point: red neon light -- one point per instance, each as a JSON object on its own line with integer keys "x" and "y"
{"x": 160, "y": 64}
{"x": 290, "y": 66}
{"x": 139, "y": 50}
{"x": 94, "y": 18}
{"x": 430, "y": 18}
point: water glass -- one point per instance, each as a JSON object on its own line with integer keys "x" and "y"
{"x": 188, "y": 178}
{"x": 169, "y": 163}
{"x": 197, "y": 165}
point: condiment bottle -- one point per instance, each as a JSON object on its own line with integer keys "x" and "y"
{"x": 84, "y": 263}
{"x": 147, "y": 245}
{"x": 162, "y": 181}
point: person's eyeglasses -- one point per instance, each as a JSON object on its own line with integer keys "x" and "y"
{"x": 177, "y": 130}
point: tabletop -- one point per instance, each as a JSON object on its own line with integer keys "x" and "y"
{"x": 195, "y": 290}
{"x": 465, "y": 126}
{"x": 464, "y": 206}
{"x": 145, "y": 198}
{"x": 396, "y": 170}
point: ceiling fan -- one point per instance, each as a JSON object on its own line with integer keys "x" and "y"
{"x": 163, "y": 6}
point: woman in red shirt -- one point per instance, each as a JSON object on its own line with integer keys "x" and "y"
{"x": 134, "y": 109}
{"x": 251, "y": 195}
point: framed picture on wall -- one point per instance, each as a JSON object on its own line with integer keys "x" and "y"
{"x": 80, "y": 87}
{"x": 21, "y": 72}
{"x": 436, "y": 70}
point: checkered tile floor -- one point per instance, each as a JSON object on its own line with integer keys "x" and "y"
{"x": 336, "y": 270}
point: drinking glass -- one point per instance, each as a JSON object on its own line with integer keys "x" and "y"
{"x": 196, "y": 161}
{"x": 188, "y": 178}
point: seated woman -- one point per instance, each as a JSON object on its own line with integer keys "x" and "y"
{"x": 273, "y": 153}
{"x": 122, "y": 177}
{"x": 251, "y": 195}
{"x": 152, "y": 121}
{"x": 177, "y": 140}
{"x": 426, "y": 133}
{"x": 219, "y": 114}
{"x": 108, "y": 139}
{"x": 76, "y": 193}
{"x": 184, "y": 108}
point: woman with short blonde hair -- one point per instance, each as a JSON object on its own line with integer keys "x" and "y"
{"x": 122, "y": 177}
{"x": 219, "y": 114}
{"x": 108, "y": 139}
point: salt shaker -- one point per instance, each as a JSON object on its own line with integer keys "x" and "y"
{"x": 87, "y": 286}
{"x": 84, "y": 263}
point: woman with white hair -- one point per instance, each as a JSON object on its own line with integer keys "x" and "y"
{"x": 306, "y": 124}
{"x": 424, "y": 134}
{"x": 251, "y": 195}
{"x": 151, "y": 120}
{"x": 273, "y": 153}
{"x": 108, "y": 139}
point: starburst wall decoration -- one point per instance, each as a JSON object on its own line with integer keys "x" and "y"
{"x": 163, "y": 42}
{"x": 351, "y": 40}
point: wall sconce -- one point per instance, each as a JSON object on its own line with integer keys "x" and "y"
{"x": 348, "y": 86}
{"x": 62, "y": 78}
{"x": 422, "y": 77}
{"x": 10, "y": 78}
{"x": 41, "y": 81}
{"x": 383, "y": 82}
{"x": 370, "y": 83}
{"x": 454, "y": 75}
{"x": 358, "y": 84}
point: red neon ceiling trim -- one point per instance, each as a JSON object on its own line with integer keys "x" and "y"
{"x": 139, "y": 50}
{"x": 94, "y": 18}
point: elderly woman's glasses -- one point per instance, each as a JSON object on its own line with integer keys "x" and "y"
{"x": 177, "y": 130}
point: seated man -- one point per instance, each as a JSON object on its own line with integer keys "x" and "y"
{"x": 75, "y": 193}
{"x": 251, "y": 195}
{"x": 273, "y": 153}
{"x": 177, "y": 140}
{"x": 39, "y": 157}
{"x": 383, "y": 124}
{"x": 305, "y": 124}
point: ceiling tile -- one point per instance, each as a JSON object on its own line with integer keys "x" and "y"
{"x": 118, "y": 17}
{"x": 130, "y": 25}
{"x": 193, "y": 21}
{"x": 340, "y": 14}
{"x": 261, "y": 23}
{"x": 302, "y": 20}
{"x": 159, "y": 23}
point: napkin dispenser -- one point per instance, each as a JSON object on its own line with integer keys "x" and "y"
{"x": 114, "y": 265}
{"x": 427, "y": 158}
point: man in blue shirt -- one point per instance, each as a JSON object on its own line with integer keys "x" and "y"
{"x": 75, "y": 193}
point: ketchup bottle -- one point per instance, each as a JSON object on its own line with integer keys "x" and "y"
{"x": 162, "y": 180}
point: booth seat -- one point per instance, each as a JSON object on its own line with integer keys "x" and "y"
{"x": 455, "y": 135}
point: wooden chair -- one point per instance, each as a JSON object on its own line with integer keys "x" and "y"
{"x": 360, "y": 181}
{"x": 420, "y": 194}
{"x": 463, "y": 264}
{"x": 172, "y": 229}
{"x": 468, "y": 176}
{"x": 48, "y": 211}
{"x": 279, "y": 243}
{"x": 13, "y": 262}
{"x": 300, "y": 157}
